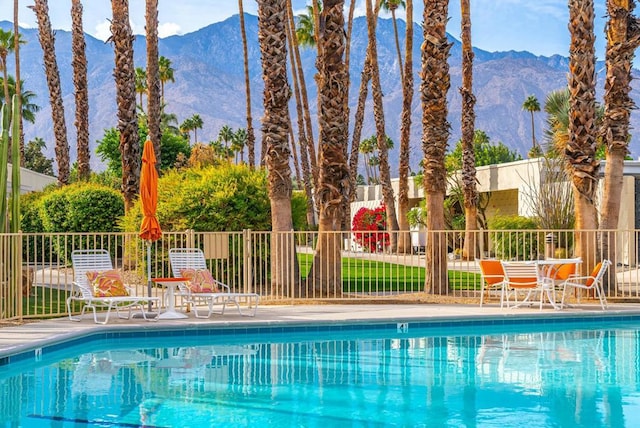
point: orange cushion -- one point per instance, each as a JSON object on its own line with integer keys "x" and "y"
{"x": 593, "y": 275}
{"x": 200, "y": 280}
{"x": 107, "y": 283}
{"x": 563, "y": 271}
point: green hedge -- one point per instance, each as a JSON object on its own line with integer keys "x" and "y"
{"x": 515, "y": 243}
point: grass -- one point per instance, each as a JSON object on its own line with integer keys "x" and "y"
{"x": 362, "y": 275}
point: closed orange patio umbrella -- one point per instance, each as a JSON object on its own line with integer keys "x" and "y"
{"x": 150, "y": 228}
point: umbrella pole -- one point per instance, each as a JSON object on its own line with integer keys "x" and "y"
{"x": 149, "y": 272}
{"x": 149, "y": 313}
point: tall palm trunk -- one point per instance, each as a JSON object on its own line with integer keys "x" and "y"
{"x": 124, "y": 73}
{"x": 383, "y": 149}
{"x": 358, "y": 120}
{"x": 326, "y": 272}
{"x": 47, "y": 41}
{"x": 580, "y": 150}
{"x": 272, "y": 19}
{"x": 393, "y": 8}
{"x": 153, "y": 80}
{"x": 251, "y": 137}
{"x": 469, "y": 180}
{"x": 404, "y": 238}
{"x": 16, "y": 53}
{"x": 79, "y": 62}
{"x": 435, "y": 133}
{"x": 307, "y": 178}
{"x": 622, "y": 40}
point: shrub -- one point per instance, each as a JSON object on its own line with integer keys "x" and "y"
{"x": 515, "y": 243}
{"x": 369, "y": 227}
{"x": 228, "y": 198}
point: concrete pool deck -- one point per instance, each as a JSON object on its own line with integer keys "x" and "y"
{"x": 15, "y": 339}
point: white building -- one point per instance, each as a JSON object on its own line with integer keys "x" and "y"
{"x": 30, "y": 181}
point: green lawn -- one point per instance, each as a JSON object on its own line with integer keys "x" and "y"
{"x": 362, "y": 275}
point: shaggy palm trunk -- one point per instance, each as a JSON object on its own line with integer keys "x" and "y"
{"x": 272, "y": 19}
{"x": 326, "y": 272}
{"x": 580, "y": 150}
{"x": 393, "y": 8}
{"x": 16, "y": 54}
{"x": 251, "y": 137}
{"x": 404, "y": 237}
{"x": 302, "y": 138}
{"x": 468, "y": 122}
{"x": 124, "y": 73}
{"x": 435, "y": 134}
{"x": 153, "y": 80}
{"x": 358, "y": 120}
{"x": 79, "y": 62}
{"x": 383, "y": 149}
{"x": 622, "y": 40}
{"x": 47, "y": 41}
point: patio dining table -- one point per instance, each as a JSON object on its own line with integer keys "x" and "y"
{"x": 549, "y": 268}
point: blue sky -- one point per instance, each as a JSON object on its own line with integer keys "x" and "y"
{"x": 538, "y": 26}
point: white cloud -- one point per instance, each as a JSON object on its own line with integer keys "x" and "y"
{"x": 169, "y": 29}
{"x": 103, "y": 30}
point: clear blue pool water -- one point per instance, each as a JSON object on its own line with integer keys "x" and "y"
{"x": 573, "y": 375}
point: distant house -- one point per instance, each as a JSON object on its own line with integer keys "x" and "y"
{"x": 511, "y": 186}
{"x": 30, "y": 181}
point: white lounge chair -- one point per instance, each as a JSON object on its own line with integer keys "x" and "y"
{"x": 193, "y": 258}
{"x": 99, "y": 261}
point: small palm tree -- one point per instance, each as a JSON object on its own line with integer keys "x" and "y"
{"x": 186, "y": 127}
{"x": 305, "y": 29}
{"x": 197, "y": 122}
{"x": 165, "y": 73}
{"x": 141, "y": 84}
{"x": 29, "y": 109}
{"x": 532, "y": 105}
{"x": 239, "y": 142}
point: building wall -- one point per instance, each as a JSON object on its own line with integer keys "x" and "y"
{"x": 30, "y": 181}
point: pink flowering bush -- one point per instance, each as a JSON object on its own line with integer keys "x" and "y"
{"x": 369, "y": 227}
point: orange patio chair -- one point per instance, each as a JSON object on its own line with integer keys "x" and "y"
{"x": 591, "y": 282}
{"x": 492, "y": 277}
{"x": 524, "y": 276}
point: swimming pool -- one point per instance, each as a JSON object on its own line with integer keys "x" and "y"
{"x": 408, "y": 374}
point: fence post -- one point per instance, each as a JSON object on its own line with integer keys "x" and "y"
{"x": 247, "y": 239}
{"x": 20, "y": 263}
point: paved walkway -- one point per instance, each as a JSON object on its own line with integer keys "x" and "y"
{"x": 19, "y": 338}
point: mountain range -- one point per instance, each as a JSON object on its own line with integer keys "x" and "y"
{"x": 209, "y": 81}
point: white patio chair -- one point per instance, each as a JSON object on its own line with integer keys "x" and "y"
{"x": 193, "y": 258}
{"x": 525, "y": 276}
{"x": 590, "y": 282}
{"x": 99, "y": 261}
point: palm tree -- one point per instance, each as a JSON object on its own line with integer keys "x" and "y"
{"x": 251, "y": 138}
{"x": 333, "y": 191}
{"x": 296, "y": 72}
{"x": 366, "y": 147}
{"x": 186, "y": 127}
{"x": 154, "y": 103}
{"x": 16, "y": 43}
{"x": 622, "y": 42}
{"x": 272, "y": 22}
{"x": 404, "y": 239}
{"x": 469, "y": 180}
{"x": 79, "y": 62}
{"x": 29, "y": 108}
{"x": 6, "y": 47}
{"x": 391, "y": 6}
{"x": 124, "y": 73}
{"x": 47, "y": 41}
{"x": 165, "y": 74}
{"x": 435, "y": 133}
{"x": 238, "y": 143}
{"x": 197, "y": 124}
{"x": 557, "y": 108}
{"x": 532, "y": 105}
{"x": 383, "y": 149}
{"x": 226, "y": 135}
{"x": 141, "y": 85}
{"x": 581, "y": 148}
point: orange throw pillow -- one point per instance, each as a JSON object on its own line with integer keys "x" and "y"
{"x": 593, "y": 275}
{"x": 200, "y": 280}
{"x": 107, "y": 283}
